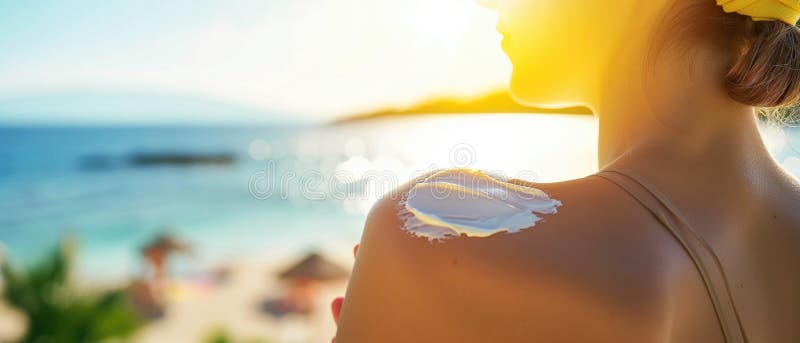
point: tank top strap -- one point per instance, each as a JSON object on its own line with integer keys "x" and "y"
{"x": 701, "y": 253}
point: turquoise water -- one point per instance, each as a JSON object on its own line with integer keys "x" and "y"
{"x": 58, "y": 182}
{"x": 50, "y": 188}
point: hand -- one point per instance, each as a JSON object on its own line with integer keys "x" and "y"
{"x": 336, "y": 304}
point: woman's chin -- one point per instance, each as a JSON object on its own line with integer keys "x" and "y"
{"x": 527, "y": 96}
{"x": 533, "y": 92}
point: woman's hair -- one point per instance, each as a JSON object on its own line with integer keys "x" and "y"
{"x": 767, "y": 68}
{"x": 765, "y": 61}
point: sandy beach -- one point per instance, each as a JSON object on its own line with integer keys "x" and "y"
{"x": 197, "y": 309}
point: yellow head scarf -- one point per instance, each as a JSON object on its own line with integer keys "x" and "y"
{"x": 787, "y": 11}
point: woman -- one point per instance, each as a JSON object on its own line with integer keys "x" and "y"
{"x": 690, "y": 233}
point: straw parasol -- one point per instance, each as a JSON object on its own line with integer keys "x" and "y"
{"x": 314, "y": 267}
{"x": 165, "y": 243}
{"x": 159, "y": 250}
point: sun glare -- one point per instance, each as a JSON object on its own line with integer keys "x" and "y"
{"x": 446, "y": 20}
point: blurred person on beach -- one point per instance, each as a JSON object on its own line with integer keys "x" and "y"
{"x": 690, "y": 231}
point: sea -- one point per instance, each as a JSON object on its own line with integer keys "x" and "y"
{"x": 266, "y": 192}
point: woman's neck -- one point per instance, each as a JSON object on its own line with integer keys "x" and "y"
{"x": 678, "y": 119}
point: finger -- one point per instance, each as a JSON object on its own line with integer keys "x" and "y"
{"x": 355, "y": 250}
{"x": 336, "y": 308}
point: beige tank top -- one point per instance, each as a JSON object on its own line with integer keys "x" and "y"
{"x": 698, "y": 249}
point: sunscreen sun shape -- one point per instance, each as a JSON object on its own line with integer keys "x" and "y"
{"x": 468, "y": 202}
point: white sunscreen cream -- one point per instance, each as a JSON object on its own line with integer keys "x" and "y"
{"x": 468, "y": 202}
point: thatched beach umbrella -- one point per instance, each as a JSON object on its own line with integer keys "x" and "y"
{"x": 148, "y": 294}
{"x": 159, "y": 249}
{"x": 303, "y": 280}
{"x": 314, "y": 267}
{"x": 166, "y": 243}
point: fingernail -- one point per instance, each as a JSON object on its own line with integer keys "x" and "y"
{"x": 336, "y": 308}
{"x": 355, "y": 250}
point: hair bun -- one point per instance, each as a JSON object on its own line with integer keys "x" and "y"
{"x": 767, "y": 71}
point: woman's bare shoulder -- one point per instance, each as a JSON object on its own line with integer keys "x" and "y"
{"x": 587, "y": 263}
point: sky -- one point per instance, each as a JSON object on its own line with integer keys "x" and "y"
{"x": 144, "y": 61}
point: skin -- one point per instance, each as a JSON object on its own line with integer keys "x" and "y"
{"x": 602, "y": 269}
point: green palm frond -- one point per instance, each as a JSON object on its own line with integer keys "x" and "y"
{"x": 57, "y": 312}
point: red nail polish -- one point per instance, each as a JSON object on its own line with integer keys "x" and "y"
{"x": 336, "y": 308}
